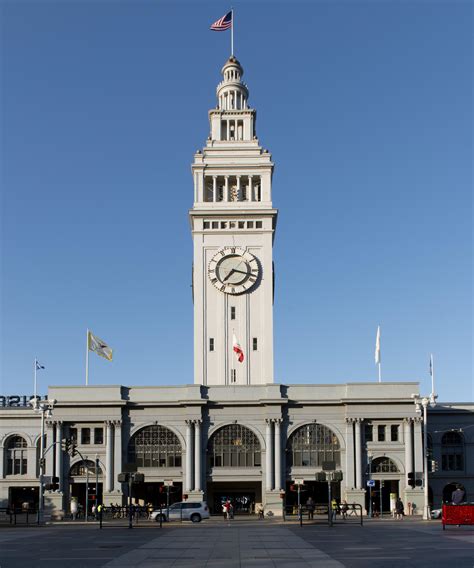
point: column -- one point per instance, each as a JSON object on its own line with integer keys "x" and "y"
{"x": 418, "y": 439}
{"x": 358, "y": 453}
{"x": 408, "y": 448}
{"x": 269, "y": 457}
{"x": 226, "y": 189}
{"x": 214, "y": 188}
{"x": 349, "y": 477}
{"x": 239, "y": 197}
{"x": 109, "y": 453}
{"x": 3, "y": 459}
{"x": 278, "y": 484}
{"x": 49, "y": 430}
{"x": 189, "y": 457}
{"x": 117, "y": 468}
{"x": 59, "y": 454}
{"x": 250, "y": 189}
{"x": 197, "y": 455}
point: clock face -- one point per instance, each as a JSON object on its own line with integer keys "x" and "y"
{"x": 233, "y": 270}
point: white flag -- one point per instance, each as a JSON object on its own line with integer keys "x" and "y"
{"x": 377, "y": 347}
{"x": 100, "y": 347}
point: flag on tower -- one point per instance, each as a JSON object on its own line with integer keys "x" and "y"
{"x": 237, "y": 349}
{"x": 223, "y": 23}
{"x": 100, "y": 347}
{"x": 377, "y": 347}
{"x": 38, "y": 366}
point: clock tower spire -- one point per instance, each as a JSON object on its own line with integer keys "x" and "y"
{"x": 233, "y": 224}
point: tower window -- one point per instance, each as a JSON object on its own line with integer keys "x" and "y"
{"x": 255, "y": 344}
{"x": 233, "y": 375}
{"x": 215, "y": 224}
{"x": 394, "y": 433}
{"x": 249, "y": 224}
{"x": 98, "y": 435}
{"x": 241, "y": 224}
{"x": 211, "y": 344}
{"x": 381, "y": 433}
{"x": 223, "y": 225}
{"x": 206, "y": 225}
{"x": 85, "y": 435}
{"x": 232, "y": 313}
{"x": 258, "y": 224}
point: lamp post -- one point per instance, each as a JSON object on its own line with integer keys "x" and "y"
{"x": 45, "y": 408}
{"x": 369, "y": 472}
{"x": 422, "y": 403}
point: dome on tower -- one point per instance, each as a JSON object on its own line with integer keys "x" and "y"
{"x": 232, "y": 93}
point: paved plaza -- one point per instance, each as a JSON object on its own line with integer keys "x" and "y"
{"x": 240, "y": 544}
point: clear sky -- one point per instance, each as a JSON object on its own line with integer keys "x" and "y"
{"x": 366, "y": 108}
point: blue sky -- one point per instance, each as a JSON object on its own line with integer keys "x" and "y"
{"x": 367, "y": 110}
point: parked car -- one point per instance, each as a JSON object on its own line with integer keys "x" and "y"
{"x": 185, "y": 510}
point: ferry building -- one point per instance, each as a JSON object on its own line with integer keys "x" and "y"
{"x": 235, "y": 433}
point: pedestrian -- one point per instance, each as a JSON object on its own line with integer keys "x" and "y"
{"x": 225, "y": 509}
{"x": 310, "y": 508}
{"x": 334, "y": 508}
{"x": 458, "y": 495}
{"x": 399, "y": 510}
{"x": 230, "y": 510}
{"x": 74, "y": 509}
{"x": 259, "y": 510}
{"x": 344, "y": 509}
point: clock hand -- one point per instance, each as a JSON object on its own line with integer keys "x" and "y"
{"x": 228, "y": 276}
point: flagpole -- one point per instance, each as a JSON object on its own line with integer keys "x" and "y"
{"x": 380, "y": 372}
{"x": 87, "y": 357}
{"x": 35, "y": 366}
{"x": 232, "y": 33}
{"x": 432, "y": 375}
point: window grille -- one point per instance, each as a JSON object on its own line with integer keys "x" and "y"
{"x": 79, "y": 469}
{"x": 313, "y": 444}
{"x": 17, "y": 462}
{"x": 155, "y": 446}
{"x": 234, "y": 446}
{"x": 383, "y": 465}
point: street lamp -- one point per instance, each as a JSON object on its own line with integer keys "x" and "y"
{"x": 420, "y": 403}
{"x": 45, "y": 408}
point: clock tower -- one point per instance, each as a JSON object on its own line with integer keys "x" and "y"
{"x": 233, "y": 226}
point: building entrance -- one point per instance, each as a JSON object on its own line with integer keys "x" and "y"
{"x": 242, "y": 495}
{"x": 318, "y": 490}
{"x": 156, "y": 493}
{"x": 86, "y": 495}
{"x": 383, "y": 496}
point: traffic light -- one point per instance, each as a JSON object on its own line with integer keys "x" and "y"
{"x": 54, "y": 485}
{"x": 337, "y": 475}
{"x": 411, "y": 479}
{"x": 69, "y": 446}
{"x": 320, "y": 476}
{"x": 434, "y": 465}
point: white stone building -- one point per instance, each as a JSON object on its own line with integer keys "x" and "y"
{"x": 234, "y": 433}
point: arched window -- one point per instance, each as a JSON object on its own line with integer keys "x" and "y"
{"x": 17, "y": 461}
{"x": 155, "y": 446}
{"x": 234, "y": 446}
{"x": 383, "y": 465}
{"x": 452, "y": 452}
{"x": 313, "y": 444}
{"x": 79, "y": 469}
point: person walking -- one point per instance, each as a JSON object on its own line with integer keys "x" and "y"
{"x": 310, "y": 508}
{"x": 399, "y": 509}
{"x": 334, "y": 508}
{"x": 344, "y": 509}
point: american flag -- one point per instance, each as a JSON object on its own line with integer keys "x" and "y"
{"x": 223, "y": 23}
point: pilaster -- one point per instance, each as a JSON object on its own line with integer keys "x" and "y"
{"x": 278, "y": 483}
{"x": 358, "y": 452}
{"x": 349, "y": 477}
{"x": 268, "y": 456}
{"x": 188, "y": 486}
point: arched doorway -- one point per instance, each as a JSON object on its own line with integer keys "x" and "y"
{"x": 307, "y": 448}
{"x": 156, "y": 452}
{"x": 386, "y": 475}
{"x": 85, "y": 484}
{"x": 234, "y": 469}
